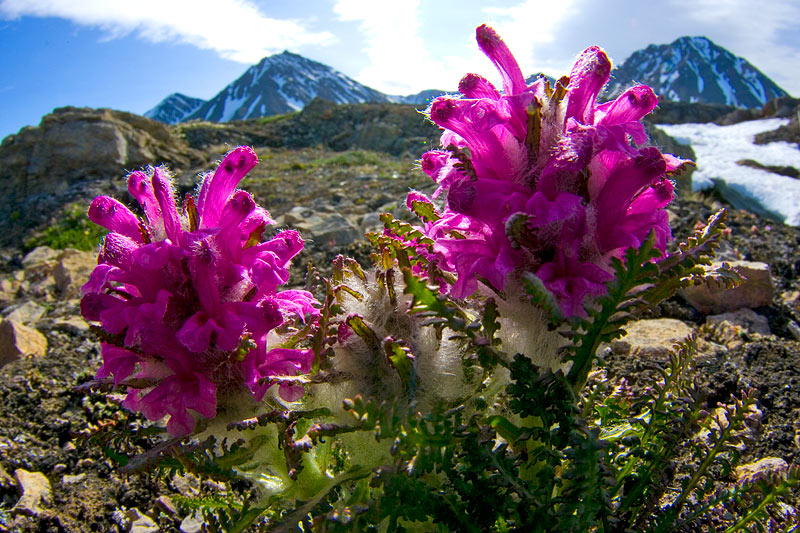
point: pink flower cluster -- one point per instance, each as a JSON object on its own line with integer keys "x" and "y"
{"x": 544, "y": 179}
{"x": 191, "y": 297}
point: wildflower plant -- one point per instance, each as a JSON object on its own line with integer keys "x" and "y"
{"x": 187, "y": 300}
{"x": 454, "y": 384}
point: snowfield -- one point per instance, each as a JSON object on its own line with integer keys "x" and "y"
{"x": 718, "y": 148}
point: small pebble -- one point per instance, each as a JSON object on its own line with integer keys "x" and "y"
{"x": 192, "y": 523}
{"x": 84, "y": 463}
{"x": 794, "y": 329}
{"x": 166, "y": 505}
{"x": 71, "y": 480}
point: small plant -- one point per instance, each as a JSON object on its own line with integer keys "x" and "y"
{"x": 71, "y": 230}
{"x": 352, "y": 158}
{"x": 454, "y": 384}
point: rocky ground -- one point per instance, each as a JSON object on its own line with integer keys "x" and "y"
{"x": 53, "y": 479}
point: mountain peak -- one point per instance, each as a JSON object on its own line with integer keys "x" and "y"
{"x": 174, "y": 108}
{"x": 695, "y": 69}
{"x": 282, "y": 83}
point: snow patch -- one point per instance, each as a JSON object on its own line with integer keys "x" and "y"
{"x": 230, "y": 107}
{"x": 718, "y": 148}
{"x": 252, "y": 105}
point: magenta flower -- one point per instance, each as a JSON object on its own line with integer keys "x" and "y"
{"x": 543, "y": 179}
{"x": 192, "y": 296}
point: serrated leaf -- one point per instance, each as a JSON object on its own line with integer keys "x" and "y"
{"x": 402, "y": 360}
{"x": 425, "y": 210}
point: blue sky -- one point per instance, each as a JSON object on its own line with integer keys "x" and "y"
{"x": 130, "y": 54}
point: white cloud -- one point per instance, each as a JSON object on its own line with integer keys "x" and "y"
{"x": 528, "y": 25}
{"x": 399, "y": 60}
{"x": 235, "y": 29}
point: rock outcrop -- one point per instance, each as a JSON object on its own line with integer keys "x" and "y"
{"x": 396, "y": 129}
{"x": 72, "y": 150}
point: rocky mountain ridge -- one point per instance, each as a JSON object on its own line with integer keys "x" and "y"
{"x": 174, "y": 108}
{"x": 694, "y": 69}
{"x": 278, "y": 84}
{"x": 690, "y": 70}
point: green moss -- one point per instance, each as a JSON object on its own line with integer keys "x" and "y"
{"x": 274, "y": 118}
{"x": 353, "y": 158}
{"x": 73, "y": 229}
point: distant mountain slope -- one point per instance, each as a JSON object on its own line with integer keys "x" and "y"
{"x": 282, "y": 83}
{"x": 694, "y": 69}
{"x": 174, "y": 108}
{"x": 421, "y": 98}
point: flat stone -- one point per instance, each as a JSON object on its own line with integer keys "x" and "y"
{"x": 193, "y": 523}
{"x": 334, "y": 231}
{"x": 72, "y": 271}
{"x": 17, "y": 339}
{"x": 25, "y": 313}
{"x": 761, "y": 469}
{"x": 72, "y": 324}
{"x": 756, "y": 290}
{"x": 299, "y": 215}
{"x": 141, "y": 523}
{"x": 328, "y": 230}
{"x": 745, "y": 318}
{"x": 35, "y": 488}
{"x": 653, "y": 338}
{"x": 39, "y": 255}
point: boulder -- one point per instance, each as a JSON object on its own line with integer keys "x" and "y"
{"x": 652, "y": 338}
{"x": 17, "y": 339}
{"x": 756, "y": 290}
{"x": 72, "y": 271}
{"x": 35, "y": 488}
